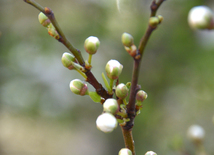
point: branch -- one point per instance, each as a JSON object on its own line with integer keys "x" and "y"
{"x": 90, "y": 77}
{"x": 154, "y": 7}
{"x": 127, "y": 129}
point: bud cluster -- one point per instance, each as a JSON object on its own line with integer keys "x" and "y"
{"x": 128, "y": 42}
{"x": 107, "y": 122}
{"x": 45, "y": 21}
{"x": 155, "y": 21}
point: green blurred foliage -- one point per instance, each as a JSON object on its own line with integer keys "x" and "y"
{"x": 40, "y": 115}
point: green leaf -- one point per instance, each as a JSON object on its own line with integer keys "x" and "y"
{"x": 95, "y": 97}
{"x": 106, "y": 82}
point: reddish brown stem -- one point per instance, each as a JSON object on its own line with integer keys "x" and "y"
{"x": 127, "y": 129}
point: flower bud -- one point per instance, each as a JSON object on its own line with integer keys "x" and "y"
{"x": 52, "y": 31}
{"x": 91, "y": 45}
{"x": 127, "y": 39}
{"x": 78, "y": 87}
{"x": 113, "y": 69}
{"x": 150, "y": 153}
{"x": 106, "y": 122}
{"x": 141, "y": 95}
{"x": 154, "y": 21}
{"x": 67, "y": 60}
{"x": 196, "y": 134}
{"x": 201, "y": 17}
{"x": 121, "y": 91}
{"x": 110, "y": 105}
{"x": 43, "y": 19}
{"x": 132, "y": 50}
{"x": 125, "y": 151}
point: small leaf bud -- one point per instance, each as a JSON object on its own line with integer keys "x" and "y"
{"x": 113, "y": 69}
{"x": 125, "y": 151}
{"x": 160, "y": 18}
{"x": 150, "y": 153}
{"x": 132, "y": 50}
{"x": 106, "y": 122}
{"x": 67, "y": 60}
{"x": 110, "y": 105}
{"x": 127, "y": 39}
{"x": 52, "y": 31}
{"x": 78, "y": 87}
{"x": 201, "y": 17}
{"x": 43, "y": 19}
{"x": 128, "y": 84}
{"x": 196, "y": 134}
{"x": 154, "y": 21}
{"x": 141, "y": 95}
{"x": 91, "y": 45}
{"x": 121, "y": 91}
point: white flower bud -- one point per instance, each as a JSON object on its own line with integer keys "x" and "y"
{"x": 125, "y": 151}
{"x": 110, "y": 105}
{"x": 106, "y": 122}
{"x": 196, "y": 134}
{"x": 121, "y": 91}
{"x": 150, "y": 153}
{"x": 113, "y": 69}
{"x": 127, "y": 39}
{"x": 67, "y": 60}
{"x": 78, "y": 87}
{"x": 201, "y": 17}
{"x": 91, "y": 44}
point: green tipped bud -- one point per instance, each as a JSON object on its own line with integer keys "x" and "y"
{"x": 110, "y": 105}
{"x": 113, "y": 69}
{"x": 52, "y": 31}
{"x": 196, "y": 134}
{"x": 132, "y": 50}
{"x": 121, "y": 91}
{"x": 201, "y": 17}
{"x": 125, "y": 151}
{"x": 67, "y": 60}
{"x": 91, "y": 45}
{"x": 150, "y": 153}
{"x": 106, "y": 122}
{"x": 128, "y": 84}
{"x": 160, "y": 18}
{"x": 154, "y": 21}
{"x": 127, "y": 39}
{"x": 43, "y": 19}
{"x": 141, "y": 96}
{"x": 78, "y": 87}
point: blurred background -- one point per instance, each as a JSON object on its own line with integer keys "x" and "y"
{"x": 39, "y": 115}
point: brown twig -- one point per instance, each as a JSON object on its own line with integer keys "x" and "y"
{"x": 127, "y": 129}
{"x": 90, "y": 77}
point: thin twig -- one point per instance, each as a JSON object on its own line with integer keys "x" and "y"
{"x": 90, "y": 77}
{"x": 135, "y": 75}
